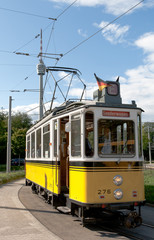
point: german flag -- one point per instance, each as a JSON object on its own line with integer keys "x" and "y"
{"x": 101, "y": 84}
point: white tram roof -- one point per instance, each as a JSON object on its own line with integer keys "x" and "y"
{"x": 71, "y": 106}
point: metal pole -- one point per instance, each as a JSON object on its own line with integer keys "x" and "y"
{"x": 41, "y": 82}
{"x": 149, "y": 144}
{"x": 8, "y": 166}
{"x": 41, "y": 98}
{"x": 41, "y": 72}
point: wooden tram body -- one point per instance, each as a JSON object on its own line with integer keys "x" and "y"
{"x": 87, "y": 155}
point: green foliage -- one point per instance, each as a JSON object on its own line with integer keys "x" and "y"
{"x": 149, "y": 194}
{"x": 149, "y": 185}
{"x": 3, "y": 135}
{"x": 21, "y": 122}
{"x": 149, "y": 177}
{"x": 145, "y": 127}
{"x": 8, "y": 177}
{"x": 19, "y": 142}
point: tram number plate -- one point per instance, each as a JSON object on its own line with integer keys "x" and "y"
{"x": 104, "y": 191}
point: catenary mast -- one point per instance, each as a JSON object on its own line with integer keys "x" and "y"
{"x": 41, "y": 72}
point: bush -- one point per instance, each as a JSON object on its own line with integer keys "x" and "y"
{"x": 149, "y": 185}
{"x": 149, "y": 194}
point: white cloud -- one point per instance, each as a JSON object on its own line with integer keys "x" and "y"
{"x": 65, "y": 78}
{"x": 138, "y": 83}
{"x": 88, "y": 93}
{"x": 114, "y": 7}
{"x": 82, "y": 33}
{"x": 26, "y": 108}
{"x": 149, "y": 3}
{"x": 140, "y": 80}
{"x": 33, "y": 109}
{"x": 114, "y": 33}
{"x": 146, "y": 42}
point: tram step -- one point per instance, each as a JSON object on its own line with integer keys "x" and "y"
{"x": 66, "y": 195}
{"x": 64, "y": 209}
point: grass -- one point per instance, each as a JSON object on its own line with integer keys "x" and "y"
{"x": 149, "y": 185}
{"x": 17, "y": 172}
{"x": 13, "y": 168}
{"x": 8, "y": 177}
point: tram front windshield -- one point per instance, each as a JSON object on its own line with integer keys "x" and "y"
{"x": 116, "y": 137}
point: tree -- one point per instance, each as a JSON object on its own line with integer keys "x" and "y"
{"x": 3, "y": 136}
{"x": 18, "y": 142}
{"x": 146, "y": 140}
{"x": 21, "y": 122}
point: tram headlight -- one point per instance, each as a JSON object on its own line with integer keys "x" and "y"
{"x": 118, "y": 180}
{"x": 118, "y": 194}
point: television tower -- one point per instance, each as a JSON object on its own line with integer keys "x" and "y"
{"x": 41, "y": 72}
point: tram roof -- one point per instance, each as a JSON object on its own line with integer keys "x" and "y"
{"x": 71, "y": 106}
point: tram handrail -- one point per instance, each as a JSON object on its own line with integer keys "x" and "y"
{"x": 56, "y": 170}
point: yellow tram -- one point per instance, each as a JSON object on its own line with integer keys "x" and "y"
{"x": 85, "y": 157}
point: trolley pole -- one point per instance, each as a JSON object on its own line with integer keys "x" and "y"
{"x": 8, "y": 165}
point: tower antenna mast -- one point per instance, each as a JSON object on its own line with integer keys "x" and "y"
{"x": 41, "y": 72}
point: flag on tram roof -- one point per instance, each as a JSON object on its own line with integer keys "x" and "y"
{"x": 101, "y": 83}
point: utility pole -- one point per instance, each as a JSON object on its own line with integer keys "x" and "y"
{"x": 8, "y": 165}
{"x": 149, "y": 144}
{"x": 41, "y": 72}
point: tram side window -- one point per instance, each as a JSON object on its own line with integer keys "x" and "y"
{"x": 89, "y": 134}
{"x": 33, "y": 145}
{"x": 76, "y": 136}
{"x": 139, "y": 135}
{"x": 28, "y": 146}
{"x": 116, "y": 137}
{"x": 46, "y": 141}
{"x": 55, "y": 139}
{"x": 38, "y": 143}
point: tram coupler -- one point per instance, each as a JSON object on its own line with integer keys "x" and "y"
{"x": 132, "y": 220}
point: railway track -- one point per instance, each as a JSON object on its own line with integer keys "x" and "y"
{"x": 131, "y": 233}
{"x": 147, "y": 225}
{"x": 43, "y": 212}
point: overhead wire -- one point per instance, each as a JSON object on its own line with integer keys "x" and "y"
{"x": 66, "y": 9}
{"x": 51, "y": 33}
{"x": 16, "y": 64}
{"x": 38, "y": 35}
{"x": 52, "y": 29}
{"x": 36, "y": 107}
{"x": 114, "y": 20}
{"x": 130, "y": 9}
{"x": 5, "y": 51}
{"x": 26, "y": 13}
{"x": 22, "y": 81}
{"x": 26, "y": 43}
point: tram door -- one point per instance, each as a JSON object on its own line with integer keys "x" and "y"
{"x": 64, "y": 156}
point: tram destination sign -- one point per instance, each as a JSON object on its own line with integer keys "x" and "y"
{"x": 115, "y": 113}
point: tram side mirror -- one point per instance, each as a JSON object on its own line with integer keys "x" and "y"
{"x": 68, "y": 127}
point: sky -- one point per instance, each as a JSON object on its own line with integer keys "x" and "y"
{"x": 109, "y": 38}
